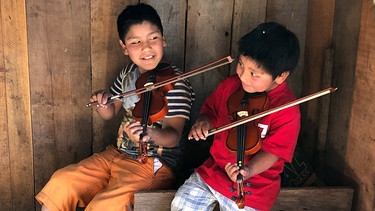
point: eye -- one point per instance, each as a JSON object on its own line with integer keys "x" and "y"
{"x": 154, "y": 38}
{"x": 135, "y": 42}
{"x": 254, "y": 74}
{"x": 240, "y": 63}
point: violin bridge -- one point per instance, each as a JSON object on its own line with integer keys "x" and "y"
{"x": 242, "y": 113}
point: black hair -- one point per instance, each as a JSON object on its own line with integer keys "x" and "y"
{"x": 136, "y": 14}
{"x": 272, "y": 47}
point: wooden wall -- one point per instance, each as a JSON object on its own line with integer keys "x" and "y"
{"x": 16, "y": 143}
{"x": 54, "y": 54}
{"x": 360, "y": 156}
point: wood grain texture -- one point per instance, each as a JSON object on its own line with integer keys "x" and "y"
{"x": 360, "y": 156}
{"x": 53, "y": 55}
{"x": 292, "y": 14}
{"x": 20, "y": 186}
{"x": 318, "y": 44}
{"x": 324, "y": 198}
{"x": 59, "y": 47}
{"x": 208, "y": 38}
{"x": 345, "y": 44}
{"x": 5, "y": 176}
{"x": 245, "y": 20}
{"x": 107, "y": 60}
{"x": 172, "y": 15}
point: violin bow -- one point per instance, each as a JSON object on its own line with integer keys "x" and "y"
{"x": 215, "y": 64}
{"x": 271, "y": 111}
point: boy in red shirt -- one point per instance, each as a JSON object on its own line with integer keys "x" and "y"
{"x": 268, "y": 55}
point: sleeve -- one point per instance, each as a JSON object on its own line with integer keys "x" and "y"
{"x": 116, "y": 87}
{"x": 283, "y": 135}
{"x": 180, "y": 100}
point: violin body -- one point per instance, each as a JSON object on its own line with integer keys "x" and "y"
{"x": 158, "y": 102}
{"x": 241, "y": 105}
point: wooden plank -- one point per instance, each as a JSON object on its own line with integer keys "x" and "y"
{"x": 172, "y": 14}
{"x": 323, "y": 198}
{"x": 5, "y": 176}
{"x": 324, "y": 103}
{"x": 326, "y": 198}
{"x": 59, "y": 46}
{"x": 245, "y": 20}
{"x": 18, "y": 115}
{"x": 345, "y": 42}
{"x": 208, "y": 37}
{"x": 41, "y": 94}
{"x": 107, "y": 60}
{"x": 360, "y": 156}
{"x": 318, "y": 41}
{"x": 293, "y": 15}
{"x": 159, "y": 200}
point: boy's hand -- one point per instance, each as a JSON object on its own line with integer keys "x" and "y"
{"x": 200, "y": 129}
{"x": 101, "y": 98}
{"x": 133, "y": 130}
{"x": 233, "y": 170}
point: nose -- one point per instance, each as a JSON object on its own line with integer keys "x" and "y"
{"x": 146, "y": 45}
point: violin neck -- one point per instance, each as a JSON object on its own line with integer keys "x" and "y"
{"x": 241, "y": 139}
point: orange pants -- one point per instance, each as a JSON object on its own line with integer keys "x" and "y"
{"x": 104, "y": 181}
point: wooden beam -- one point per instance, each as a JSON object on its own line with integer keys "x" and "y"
{"x": 17, "y": 97}
{"x": 322, "y": 198}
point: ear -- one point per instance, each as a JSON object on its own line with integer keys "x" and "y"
{"x": 281, "y": 78}
{"x": 123, "y": 47}
{"x": 164, "y": 42}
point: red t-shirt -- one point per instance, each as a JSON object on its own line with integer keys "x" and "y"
{"x": 279, "y": 130}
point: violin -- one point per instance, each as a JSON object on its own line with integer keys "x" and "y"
{"x": 153, "y": 104}
{"x": 245, "y": 138}
{"x": 196, "y": 71}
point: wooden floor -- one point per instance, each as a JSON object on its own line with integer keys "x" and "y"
{"x": 311, "y": 198}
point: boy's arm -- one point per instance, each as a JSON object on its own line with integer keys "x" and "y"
{"x": 261, "y": 162}
{"x": 170, "y": 133}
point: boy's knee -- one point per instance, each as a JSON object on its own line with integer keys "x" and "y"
{"x": 174, "y": 204}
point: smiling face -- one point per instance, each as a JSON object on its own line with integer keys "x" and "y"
{"x": 255, "y": 78}
{"x": 144, "y": 45}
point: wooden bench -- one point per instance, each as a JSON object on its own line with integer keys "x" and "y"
{"x": 306, "y": 198}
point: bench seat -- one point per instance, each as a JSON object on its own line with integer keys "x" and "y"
{"x": 301, "y": 198}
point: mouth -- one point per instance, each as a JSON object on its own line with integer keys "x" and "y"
{"x": 148, "y": 57}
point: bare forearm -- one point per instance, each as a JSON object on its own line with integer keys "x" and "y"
{"x": 109, "y": 111}
{"x": 170, "y": 134}
{"x": 166, "y": 137}
{"x": 261, "y": 162}
{"x": 106, "y": 113}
